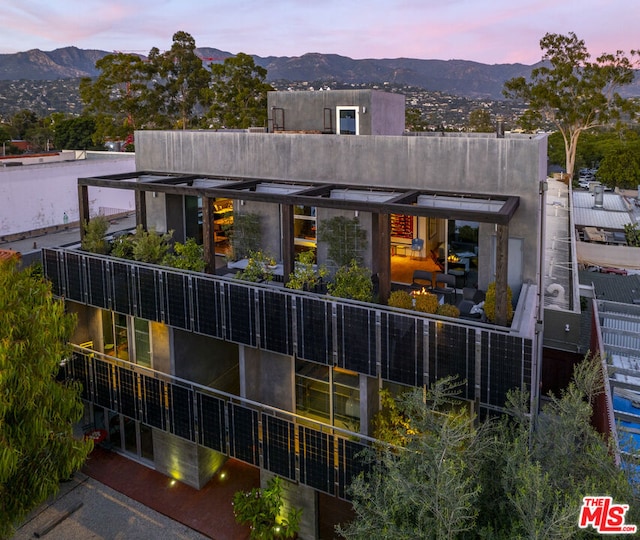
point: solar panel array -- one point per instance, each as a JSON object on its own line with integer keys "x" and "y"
{"x": 325, "y": 461}
{"x": 369, "y": 339}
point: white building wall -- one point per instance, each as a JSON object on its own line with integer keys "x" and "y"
{"x": 37, "y": 196}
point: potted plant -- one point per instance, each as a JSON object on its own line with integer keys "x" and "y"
{"x": 305, "y": 277}
{"x": 259, "y": 267}
{"x": 352, "y": 281}
{"x": 262, "y": 510}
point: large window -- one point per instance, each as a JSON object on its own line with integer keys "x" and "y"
{"x": 126, "y": 338}
{"x": 331, "y": 395}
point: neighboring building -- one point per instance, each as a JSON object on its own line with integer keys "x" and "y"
{"x": 41, "y": 193}
{"x": 184, "y": 369}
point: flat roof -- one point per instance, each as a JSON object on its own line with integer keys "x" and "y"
{"x": 480, "y": 207}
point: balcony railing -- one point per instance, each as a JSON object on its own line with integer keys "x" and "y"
{"x": 375, "y": 340}
{"x": 315, "y": 454}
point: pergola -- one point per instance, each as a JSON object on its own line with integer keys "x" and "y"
{"x": 380, "y": 202}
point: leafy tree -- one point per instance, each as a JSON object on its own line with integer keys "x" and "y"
{"x": 427, "y": 488}
{"x": 480, "y": 121}
{"x": 21, "y": 123}
{"x": 238, "y": 93}
{"x": 37, "y": 412}
{"x": 632, "y": 234}
{"x": 75, "y": 133}
{"x": 182, "y": 80}
{"x": 119, "y": 96}
{"x": 620, "y": 167}
{"x": 572, "y": 92}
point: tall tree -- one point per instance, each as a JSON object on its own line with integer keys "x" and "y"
{"x": 480, "y": 121}
{"x": 182, "y": 80}
{"x": 620, "y": 167}
{"x": 37, "y": 412}
{"x": 572, "y": 92}
{"x": 119, "y": 96}
{"x": 75, "y": 133}
{"x": 238, "y": 94}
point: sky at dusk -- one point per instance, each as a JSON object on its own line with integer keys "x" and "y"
{"x": 487, "y": 31}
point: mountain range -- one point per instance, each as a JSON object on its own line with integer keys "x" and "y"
{"x": 455, "y": 77}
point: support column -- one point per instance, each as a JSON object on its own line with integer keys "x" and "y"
{"x": 502, "y": 272}
{"x": 141, "y": 208}
{"x": 288, "y": 247}
{"x": 380, "y": 253}
{"x": 208, "y": 239}
{"x": 83, "y": 208}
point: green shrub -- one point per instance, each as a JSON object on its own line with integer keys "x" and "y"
{"x": 400, "y": 299}
{"x": 257, "y": 268}
{"x": 262, "y": 510}
{"x": 354, "y": 282}
{"x": 304, "y": 276}
{"x": 448, "y": 310}
{"x": 490, "y": 303}
{"x": 426, "y": 302}
{"x": 95, "y": 231}
{"x": 187, "y": 256}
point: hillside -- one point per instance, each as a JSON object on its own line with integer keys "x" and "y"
{"x": 458, "y": 77}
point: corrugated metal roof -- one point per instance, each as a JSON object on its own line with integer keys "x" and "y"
{"x": 614, "y": 214}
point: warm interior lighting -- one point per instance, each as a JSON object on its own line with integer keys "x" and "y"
{"x": 172, "y": 483}
{"x": 453, "y": 258}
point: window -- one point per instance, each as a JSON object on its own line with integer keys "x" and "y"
{"x": 115, "y": 331}
{"x": 347, "y": 120}
{"x": 304, "y": 227}
{"x": 330, "y": 395}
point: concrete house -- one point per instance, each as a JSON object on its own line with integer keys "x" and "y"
{"x": 184, "y": 370}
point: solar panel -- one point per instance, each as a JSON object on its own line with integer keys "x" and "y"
{"x": 178, "y": 309}
{"x": 181, "y": 409}
{"x": 243, "y": 434}
{"x": 74, "y": 287}
{"x": 102, "y": 379}
{"x": 314, "y": 330}
{"x": 357, "y": 339}
{"x": 350, "y": 464}
{"x": 316, "y": 459}
{"x": 279, "y": 446}
{"x": 121, "y": 287}
{"x": 128, "y": 400}
{"x": 147, "y": 294}
{"x": 275, "y": 323}
{"x": 212, "y": 428}
{"x": 208, "y": 314}
{"x": 402, "y": 350}
{"x": 153, "y": 402}
{"x": 240, "y": 314}
{"x": 97, "y": 282}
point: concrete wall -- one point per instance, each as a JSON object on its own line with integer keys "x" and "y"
{"x": 268, "y": 378}
{"x": 379, "y": 113}
{"x": 513, "y": 165}
{"x": 202, "y": 359}
{"x": 38, "y": 196}
{"x": 183, "y": 460}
